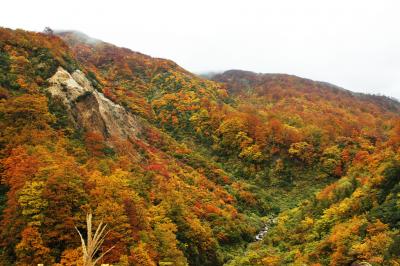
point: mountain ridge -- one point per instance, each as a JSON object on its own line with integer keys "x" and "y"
{"x": 70, "y": 35}
{"x": 229, "y": 76}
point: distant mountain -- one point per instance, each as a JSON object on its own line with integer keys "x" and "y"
{"x": 239, "y": 79}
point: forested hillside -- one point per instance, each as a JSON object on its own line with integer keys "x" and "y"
{"x": 356, "y": 218}
{"x": 186, "y": 170}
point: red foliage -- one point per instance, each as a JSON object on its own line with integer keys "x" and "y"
{"x": 95, "y": 143}
{"x": 159, "y": 168}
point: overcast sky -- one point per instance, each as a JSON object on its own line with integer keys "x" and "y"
{"x": 354, "y": 44}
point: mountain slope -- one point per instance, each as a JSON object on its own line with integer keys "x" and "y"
{"x": 66, "y": 149}
{"x": 264, "y": 84}
{"x": 183, "y": 169}
{"x": 355, "y": 219}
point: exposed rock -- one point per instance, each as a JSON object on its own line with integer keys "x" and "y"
{"x": 90, "y": 109}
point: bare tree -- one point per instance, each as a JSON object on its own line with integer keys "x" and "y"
{"x": 48, "y": 31}
{"x": 92, "y": 245}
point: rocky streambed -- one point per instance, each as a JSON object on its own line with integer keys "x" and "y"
{"x": 268, "y": 224}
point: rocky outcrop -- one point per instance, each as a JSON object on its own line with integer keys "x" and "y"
{"x": 90, "y": 109}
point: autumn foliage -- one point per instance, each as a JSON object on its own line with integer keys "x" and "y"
{"x": 213, "y": 158}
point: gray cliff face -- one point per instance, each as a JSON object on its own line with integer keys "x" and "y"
{"x": 90, "y": 109}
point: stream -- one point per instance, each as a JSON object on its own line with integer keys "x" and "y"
{"x": 266, "y": 228}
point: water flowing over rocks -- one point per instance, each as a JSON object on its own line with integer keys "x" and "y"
{"x": 271, "y": 221}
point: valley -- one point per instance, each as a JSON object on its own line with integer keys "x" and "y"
{"x": 238, "y": 168}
